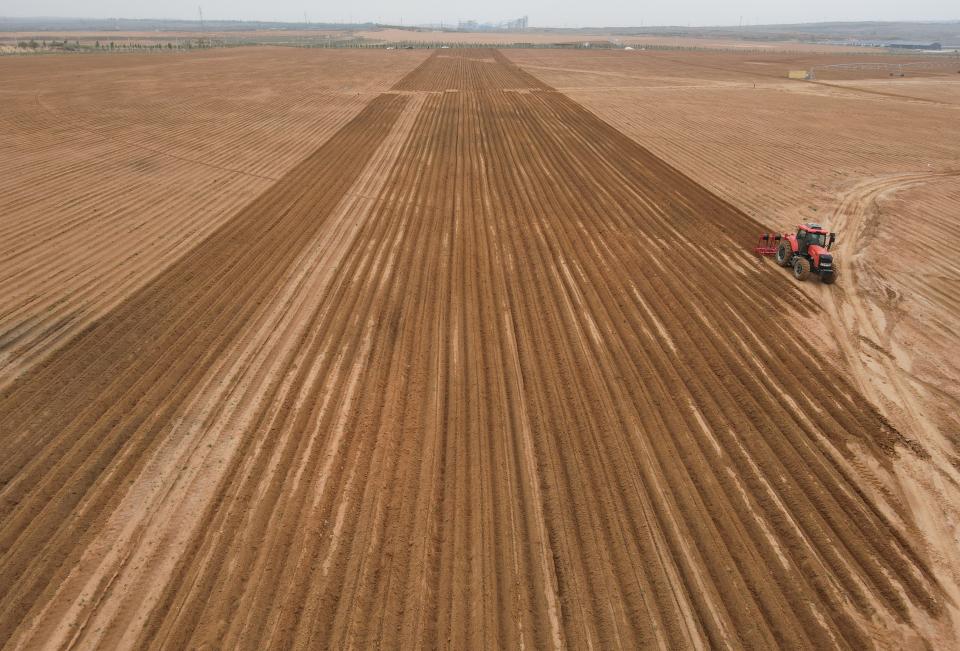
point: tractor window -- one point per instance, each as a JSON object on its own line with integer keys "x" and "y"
{"x": 817, "y": 238}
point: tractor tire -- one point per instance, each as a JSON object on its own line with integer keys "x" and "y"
{"x": 784, "y": 254}
{"x": 829, "y": 279}
{"x": 801, "y": 268}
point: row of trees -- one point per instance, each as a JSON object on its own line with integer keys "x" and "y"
{"x": 32, "y": 44}
{"x": 134, "y": 46}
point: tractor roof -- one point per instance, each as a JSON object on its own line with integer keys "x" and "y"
{"x": 812, "y": 228}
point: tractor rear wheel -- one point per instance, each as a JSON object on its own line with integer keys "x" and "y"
{"x": 801, "y": 269}
{"x": 784, "y": 253}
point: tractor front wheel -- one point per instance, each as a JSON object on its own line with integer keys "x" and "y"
{"x": 830, "y": 278}
{"x": 801, "y": 269}
{"x": 784, "y": 253}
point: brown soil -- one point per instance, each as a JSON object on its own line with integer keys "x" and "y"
{"x": 112, "y": 167}
{"x": 457, "y": 378}
{"x": 876, "y": 160}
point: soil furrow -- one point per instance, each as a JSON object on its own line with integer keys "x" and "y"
{"x": 478, "y": 371}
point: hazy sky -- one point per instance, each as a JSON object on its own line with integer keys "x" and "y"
{"x": 541, "y": 12}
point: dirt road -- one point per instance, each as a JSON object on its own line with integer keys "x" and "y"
{"x": 479, "y": 371}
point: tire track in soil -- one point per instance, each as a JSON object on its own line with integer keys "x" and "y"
{"x": 928, "y": 479}
{"x": 849, "y": 307}
{"x": 507, "y": 420}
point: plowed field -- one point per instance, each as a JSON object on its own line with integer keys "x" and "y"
{"x": 111, "y": 167}
{"x": 479, "y": 370}
{"x": 876, "y": 159}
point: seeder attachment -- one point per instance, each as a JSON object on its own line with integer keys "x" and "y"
{"x": 767, "y": 244}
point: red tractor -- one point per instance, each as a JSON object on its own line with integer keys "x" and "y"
{"x": 807, "y": 252}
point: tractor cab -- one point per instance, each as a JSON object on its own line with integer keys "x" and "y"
{"x": 813, "y": 235}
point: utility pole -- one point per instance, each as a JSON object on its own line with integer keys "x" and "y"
{"x": 200, "y": 10}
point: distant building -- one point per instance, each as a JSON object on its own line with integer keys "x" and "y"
{"x": 906, "y": 45}
{"x": 516, "y": 25}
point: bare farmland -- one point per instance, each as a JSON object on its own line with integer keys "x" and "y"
{"x": 452, "y": 362}
{"x": 113, "y": 166}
